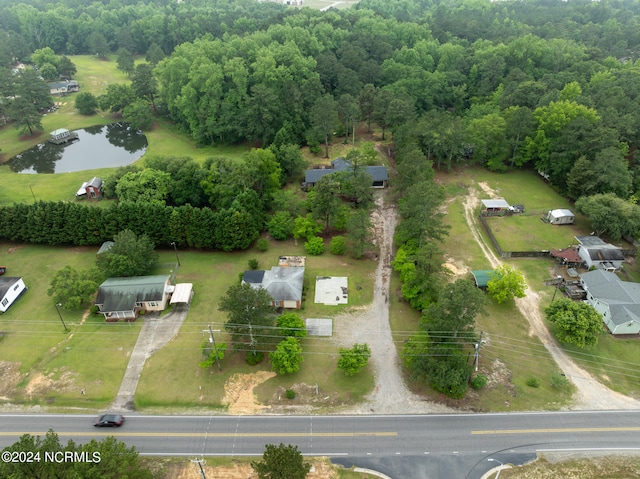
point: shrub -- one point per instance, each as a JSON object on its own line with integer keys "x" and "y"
{"x": 289, "y": 394}
{"x": 338, "y": 245}
{"x": 280, "y": 226}
{"x": 254, "y": 358}
{"x": 253, "y": 263}
{"x": 314, "y": 246}
{"x": 559, "y": 381}
{"x": 262, "y": 244}
{"x": 479, "y": 381}
{"x": 533, "y": 382}
{"x": 94, "y": 309}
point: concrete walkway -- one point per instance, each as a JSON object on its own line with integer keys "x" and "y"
{"x": 154, "y": 334}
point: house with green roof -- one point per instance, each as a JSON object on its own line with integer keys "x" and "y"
{"x": 123, "y": 298}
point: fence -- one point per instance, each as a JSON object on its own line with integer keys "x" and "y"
{"x": 509, "y": 254}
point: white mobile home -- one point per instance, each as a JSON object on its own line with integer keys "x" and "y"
{"x": 561, "y": 217}
{"x": 10, "y": 290}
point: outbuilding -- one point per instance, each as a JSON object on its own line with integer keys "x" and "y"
{"x": 561, "y": 217}
{"x": 11, "y": 288}
{"x": 497, "y": 206}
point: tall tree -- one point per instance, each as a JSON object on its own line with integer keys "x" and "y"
{"x": 366, "y": 102}
{"x": 576, "y": 322}
{"x": 506, "y": 282}
{"x": 280, "y": 462}
{"x": 130, "y": 255}
{"x": 145, "y": 186}
{"x": 610, "y": 215}
{"x": 455, "y": 311}
{"x": 287, "y": 356}
{"x": 26, "y": 116}
{"x": 348, "y": 113}
{"x": 324, "y": 117}
{"x": 144, "y": 83}
{"x": 125, "y": 61}
{"x": 359, "y": 233}
{"x": 72, "y": 288}
{"x": 250, "y": 316}
{"x": 323, "y": 199}
{"x": 154, "y": 54}
{"x": 98, "y": 44}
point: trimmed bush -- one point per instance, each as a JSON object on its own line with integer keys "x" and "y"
{"x": 533, "y": 382}
{"x": 262, "y": 244}
{"x": 253, "y": 263}
{"x": 338, "y": 245}
{"x": 253, "y": 359}
{"x": 314, "y": 246}
{"x": 290, "y": 394}
{"x": 479, "y": 381}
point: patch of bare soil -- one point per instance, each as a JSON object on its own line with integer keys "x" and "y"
{"x": 321, "y": 469}
{"x": 10, "y": 374}
{"x": 41, "y": 385}
{"x": 238, "y": 393}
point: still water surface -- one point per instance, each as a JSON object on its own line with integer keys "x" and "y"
{"x": 105, "y": 146}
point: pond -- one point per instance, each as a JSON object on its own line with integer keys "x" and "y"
{"x": 117, "y": 144}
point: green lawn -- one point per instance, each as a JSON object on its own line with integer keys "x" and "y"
{"x": 530, "y": 233}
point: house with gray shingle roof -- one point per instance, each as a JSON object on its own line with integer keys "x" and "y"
{"x": 284, "y": 284}
{"x": 124, "y": 298}
{"x": 617, "y": 301}
{"x": 379, "y": 174}
{"x": 599, "y": 254}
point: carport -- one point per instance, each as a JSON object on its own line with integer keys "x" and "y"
{"x": 182, "y": 293}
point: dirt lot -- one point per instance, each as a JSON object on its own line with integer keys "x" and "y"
{"x": 552, "y": 467}
{"x": 321, "y": 469}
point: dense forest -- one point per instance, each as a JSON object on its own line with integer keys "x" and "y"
{"x": 548, "y": 85}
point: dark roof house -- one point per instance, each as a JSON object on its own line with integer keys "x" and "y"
{"x": 599, "y": 254}
{"x": 379, "y": 174}
{"x": 124, "y": 298}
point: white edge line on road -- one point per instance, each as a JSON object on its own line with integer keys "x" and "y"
{"x": 221, "y": 454}
{"x": 576, "y": 449}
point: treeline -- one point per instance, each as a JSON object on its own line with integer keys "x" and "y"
{"x": 66, "y": 223}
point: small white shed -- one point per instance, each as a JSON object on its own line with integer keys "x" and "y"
{"x": 561, "y": 217}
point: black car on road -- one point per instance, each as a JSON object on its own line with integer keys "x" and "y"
{"x": 109, "y": 420}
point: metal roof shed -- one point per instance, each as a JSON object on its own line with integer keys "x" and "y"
{"x": 182, "y": 293}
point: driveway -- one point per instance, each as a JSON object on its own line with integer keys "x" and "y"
{"x": 156, "y": 331}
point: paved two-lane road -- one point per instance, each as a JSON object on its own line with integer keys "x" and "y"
{"x": 459, "y": 442}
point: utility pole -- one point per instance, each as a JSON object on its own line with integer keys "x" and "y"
{"x": 215, "y": 348}
{"x": 175, "y": 248}
{"x": 477, "y": 346}
{"x": 61, "y": 320}
{"x": 199, "y": 462}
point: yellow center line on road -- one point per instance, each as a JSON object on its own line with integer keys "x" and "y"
{"x": 212, "y": 434}
{"x": 558, "y": 430}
